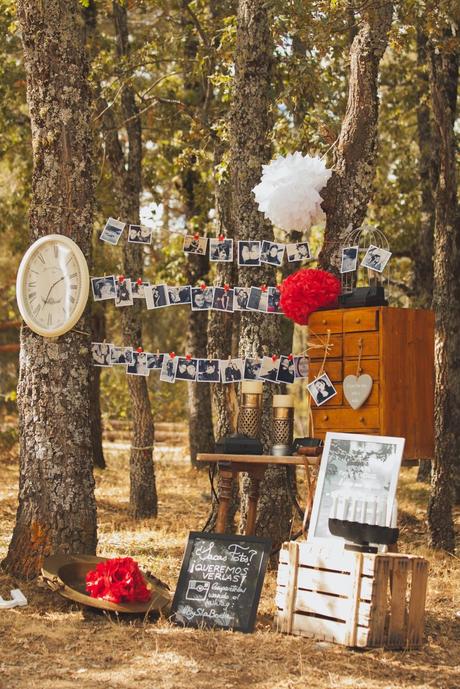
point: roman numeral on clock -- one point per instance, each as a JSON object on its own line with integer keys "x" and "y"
{"x": 56, "y": 251}
{"x": 74, "y": 275}
{"x": 73, "y": 286}
{"x": 39, "y": 256}
{"x": 37, "y": 310}
{"x": 72, "y": 300}
{"x": 50, "y": 318}
{"x": 32, "y": 296}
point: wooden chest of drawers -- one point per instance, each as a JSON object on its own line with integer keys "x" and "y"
{"x": 398, "y": 353}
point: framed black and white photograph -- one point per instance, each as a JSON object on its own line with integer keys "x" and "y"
{"x": 263, "y": 301}
{"x": 255, "y": 296}
{"x": 301, "y": 366}
{"x": 168, "y": 369}
{"x": 121, "y": 356}
{"x": 241, "y": 298}
{"x": 357, "y": 481}
{"x": 286, "y": 372}
{"x": 124, "y": 293}
{"x": 300, "y": 251}
{"x": 274, "y": 300}
{"x": 179, "y": 295}
{"x": 138, "y": 289}
{"x": 186, "y": 368}
{"x": 156, "y": 296}
{"x": 249, "y": 253}
{"x": 112, "y": 231}
{"x": 139, "y": 234}
{"x": 195, "y": 245}
{"x": 138, "y": 366}
{"x": 208, "y": 371}
{"x": 269, "y": 369}
{"x": 376, "y": 258}
{"x": 252, "y": 368}
{"x": 100, "y": 353}
{"x": 349, "y": 259}
{"x": 221, "y": 250}
{"x": 223, "y": 299}
{"x": 232, "y": 370}
{"x": 272, "y": 253}
{"x": 202, "y": 298}
{"x": 154, "y": 361}
{"x": 103, "y": 287}
{"x": 321, "y": 389}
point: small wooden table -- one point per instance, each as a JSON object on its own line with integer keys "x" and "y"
{"x": 255, "y": 465}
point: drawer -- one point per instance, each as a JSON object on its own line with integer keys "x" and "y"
{"x": 334, "y": 370}
{"x": 351, "y": 344}
{"x": 372, "y": 400}
{"x": 360, "y": 319}
{"x": 346, "y": 419}
{"x": 317, "y": 350}
{"x": 335, "y": 401}
{"x": 321, "y": 433}
{"x": 369, "y": 366}
{"x": 322, "y": 321}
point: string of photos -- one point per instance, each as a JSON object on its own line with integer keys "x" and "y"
{"x": 123, "y": 291}
{"x": 172, "y": 368}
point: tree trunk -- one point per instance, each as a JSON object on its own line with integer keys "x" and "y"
{"x": 250, "y": 126}
{"x": 57, "y": 509}
{"x": 350, "y": 187}
{"x": 444, "y": 62}
{"x": 98, "y": 333}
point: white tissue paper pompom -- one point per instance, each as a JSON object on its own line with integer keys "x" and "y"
{"x": 288, "y": 193}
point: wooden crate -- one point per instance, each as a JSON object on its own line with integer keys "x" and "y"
{"x": 355, "y": 599}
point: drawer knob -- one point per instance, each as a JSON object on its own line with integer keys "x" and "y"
{"x": 358, "y": 320}
{"x": 324, "y": 321}
{"x": 325, "y": 417}
{"x": 362, "y": 419}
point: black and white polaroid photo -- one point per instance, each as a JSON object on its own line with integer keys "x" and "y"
{"x": 300, "y": 251}
{"x": 252, "y": 368}
{"x": 168, "y": 369}
{"x": 274, "y": 300}
{"x": 286, "y": 371}
{"x": 202, "y": 298}
{"x": 195, "y": 245}
{"x": 301, "y": 366}
{"x": 100, "y": 353}
{"x": 186, "y": 368}
{"x": 208, "y": 371}
{"x": 223, "y": 299}
{"x": 232, "y": 370}
{"x": 221, "y": 250}
{"x": 263, "y": 302}
{"x": 121, "y": 356}
{"x": 321, "y": 389}
{"x": 241, "y": 298}
{"x": 376, "y": 258}
{"x": 156, "y": 296}
{"x": 124, "y": 293}
{"x": 103, "y": 287}
{"x": 179, "y": 295}
{"x": 272, "y": 253}
{"x": 112, "y": 231}
{"x": 269, "y": 369}
{"x": 349, "y": 259}
{"x": 139, "y": 234}
{"x": 138, "y": 366}
{"x": 155, "y": 361}
{"x": 249, "y": 253}
{"x": 138, "y": 289}
{"x": 255, "y": 295}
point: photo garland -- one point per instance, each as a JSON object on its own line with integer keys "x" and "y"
{"x": 172, "y": 368}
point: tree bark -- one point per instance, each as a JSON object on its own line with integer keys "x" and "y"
{"x": 57, "y": 509}
{"x": 250, "y": 126}
{"x": 350, "y": 187}
{"x": 98, "y": 332}
{"x": 444, "y": 62}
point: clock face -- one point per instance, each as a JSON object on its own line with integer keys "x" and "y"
{"x": 52, "y": 285}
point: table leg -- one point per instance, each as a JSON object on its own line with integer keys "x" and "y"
{"x": 225, "y": 495}
{"x": 253, "y": 499}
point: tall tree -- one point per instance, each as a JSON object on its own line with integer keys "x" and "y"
{"x": 250, "y": 127}
{"x": 350, "y": 187}
{"x": 444, "y": 64}
{"x": 57, "y": 509}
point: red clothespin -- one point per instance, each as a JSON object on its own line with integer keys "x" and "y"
{"x": 274, "y": 357}
{"x": 221, "y": 237}
{"x": 226, "y": 287}
{"x": 202, "y": 285}
{"x": 188, "y": 357}
{"x": 290, "y": 357}
{"x": 121, "y": 279}
{"x": 172, "y": 355}
{"x": 139, "y": 350}
{"x": 263, "y": 288}
{"x": 196, "y": 236}
{"x": 139, "y": 281}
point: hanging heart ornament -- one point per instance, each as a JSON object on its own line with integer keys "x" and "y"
{"x": 357, "y": 389}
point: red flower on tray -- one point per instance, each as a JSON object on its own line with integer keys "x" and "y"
{"x": 306, "y": 291}
{"x": 118, "y": 580}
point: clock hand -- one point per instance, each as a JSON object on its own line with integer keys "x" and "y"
{"x": 52, "y": 286}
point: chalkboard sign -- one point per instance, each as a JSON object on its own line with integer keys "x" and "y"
{"x": 220, "y": 581}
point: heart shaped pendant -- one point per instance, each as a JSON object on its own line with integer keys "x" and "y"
{"x": 357, "y": 389}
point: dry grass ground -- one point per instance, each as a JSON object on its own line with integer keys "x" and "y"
{"x": 52, "y": 644}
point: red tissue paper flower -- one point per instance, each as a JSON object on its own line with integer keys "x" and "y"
{"x": 118, "y": 580}
{"x": 306, "y": 291}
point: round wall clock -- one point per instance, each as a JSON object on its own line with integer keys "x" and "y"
{"x": 52, "y": 285}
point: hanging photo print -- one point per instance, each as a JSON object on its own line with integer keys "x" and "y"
{"x": 138, "y": 289}
{"x": 349, "y": 259}
{"x": 241, "y": 298}
{"x": 223, "y": 299}
{"x": 154, "y": 361}
{"x": 156, "y": 296}
{"x": 193, "y": 244}
{"x": 103, "y": 288}
{"x": 232, "y": 371}
{"x": 301, "y": 367}
{"x": 186, "y": 368}
{"x": 252, "y": 369}
{"x": 273, "y": 300}
{"x": 138, "y": 366}
{"x": 208, "y": 371}
{"x": 139, "y": 234}
{"x": 124, "y": 293}
{"x": 179, "y": 295}
{"x": 202, "y": 298}
{"x": 269, "y": 368}
{"x": 100, "y": 353}
{"x": 321, "y": 389}
{"x": 121, "y": 356}
{"x": 272, "y": 253}
{"x": 286, "y": 371}
{"x": 376, "y": 258}
{"x": 255, "y": 295}
{"x": 221, "y": 250}
{"x": 249, "y": 253}
{"x": 168, "y": 369}
{"x": 112, "y": 231}
{"x": 298, "y": 252}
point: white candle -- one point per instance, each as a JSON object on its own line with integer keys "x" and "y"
{"x": 374, "y": 511}
{"x": 353, "y": 509}
{"x": 335, "y": 503}
{"x": 363, "y": 511}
